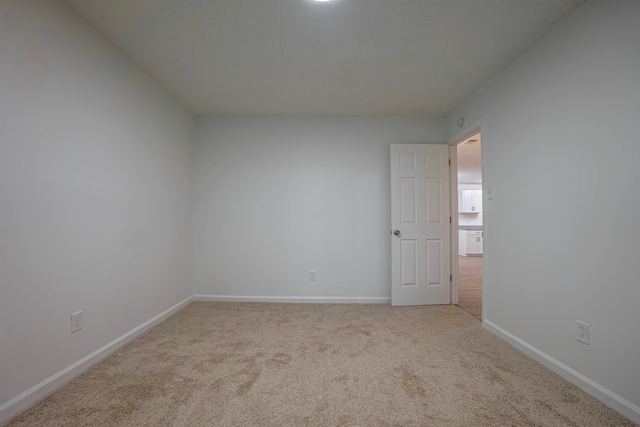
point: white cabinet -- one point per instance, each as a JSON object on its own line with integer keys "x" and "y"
{"x": 471, "y": 201}
{"x": 469, "y": 242}
{"x": 474, "y": 242}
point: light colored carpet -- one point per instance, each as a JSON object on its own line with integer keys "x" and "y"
{"x": 253, "y": 364}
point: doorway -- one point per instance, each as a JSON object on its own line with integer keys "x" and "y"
{"x": 470, "y": 224}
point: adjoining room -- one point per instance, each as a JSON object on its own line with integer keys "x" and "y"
{"x": 470, "y": 232}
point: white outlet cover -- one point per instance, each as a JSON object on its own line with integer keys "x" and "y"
{"x": 583, "y": 332}
{"x": 76, "y": 321}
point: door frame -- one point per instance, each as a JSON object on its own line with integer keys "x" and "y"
{"x": 458, "y": 138}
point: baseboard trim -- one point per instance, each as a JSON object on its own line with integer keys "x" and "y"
{"x": 601, "y": 393}
{"x": 298, "y": 300}
{"x": 37, "y": 392}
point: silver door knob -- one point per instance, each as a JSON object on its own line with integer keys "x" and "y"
{"x": 396, "y": 233}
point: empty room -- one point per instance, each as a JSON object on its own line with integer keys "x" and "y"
{"x": 247, "y": 212}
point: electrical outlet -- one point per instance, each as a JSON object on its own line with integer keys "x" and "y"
{"x": 312, "y": 275}
{"x": 583, "y": 332}
{"x": 76, "y": 321}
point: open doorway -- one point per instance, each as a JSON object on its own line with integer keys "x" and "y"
{"x": 470, "y": 224}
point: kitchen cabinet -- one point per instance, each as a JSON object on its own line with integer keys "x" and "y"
{"x": 471, "y": 201}
{"x": 470, "y": 242}
{"x": 474, "y": 242}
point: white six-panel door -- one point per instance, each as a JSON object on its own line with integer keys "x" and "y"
{"x": 420, "y": 228}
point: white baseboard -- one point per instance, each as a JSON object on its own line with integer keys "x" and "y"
{"x": 299, "y": 300}
{"x": 37, "y": 392}
{"x": 601, "y": 393}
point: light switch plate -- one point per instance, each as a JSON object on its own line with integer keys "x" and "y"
{"x": 489, "y": 192}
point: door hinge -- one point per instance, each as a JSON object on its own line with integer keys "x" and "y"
{"x": 449, "y": 220}
{"x": 449, "y": 162}
{"x": 451, "y": 277}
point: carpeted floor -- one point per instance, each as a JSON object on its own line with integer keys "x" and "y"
{"x": 254, "y": 364}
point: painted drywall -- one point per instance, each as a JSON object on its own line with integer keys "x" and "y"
{"x": 96, "y": 172}
{"x": 276, "y": 197}
{"x": 560, "y": 134}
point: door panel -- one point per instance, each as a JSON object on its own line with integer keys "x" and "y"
{"x": 433, "y": 189}
{"x": 409, "y": 263}
{"x": 434, "y": 263}
{"x": 408, "y": 207}
{"x": 420, "y": 213}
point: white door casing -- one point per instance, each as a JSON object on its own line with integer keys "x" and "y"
{"x": 420, "y": 228}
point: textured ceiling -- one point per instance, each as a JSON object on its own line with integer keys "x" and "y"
{"x": 346, "y": 57}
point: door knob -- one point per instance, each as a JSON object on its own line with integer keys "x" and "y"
{"x": 396, "y": 233}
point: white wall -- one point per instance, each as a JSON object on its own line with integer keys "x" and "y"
{"x": 96, "y": 173}
{"x": 561, "y": 135}
{"x": 276, "y": 197}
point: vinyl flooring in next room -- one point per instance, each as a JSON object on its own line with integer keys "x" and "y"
{"x": 470, "y": 285}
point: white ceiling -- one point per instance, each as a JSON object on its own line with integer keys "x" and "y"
{"x": 469, "y": 160}
{"x": 346, "y": 57}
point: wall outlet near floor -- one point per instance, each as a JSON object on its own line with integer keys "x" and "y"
{"x": 583, "y": 332}
{"x": 312, "y": 275}
{"x": 76, "y": 321}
